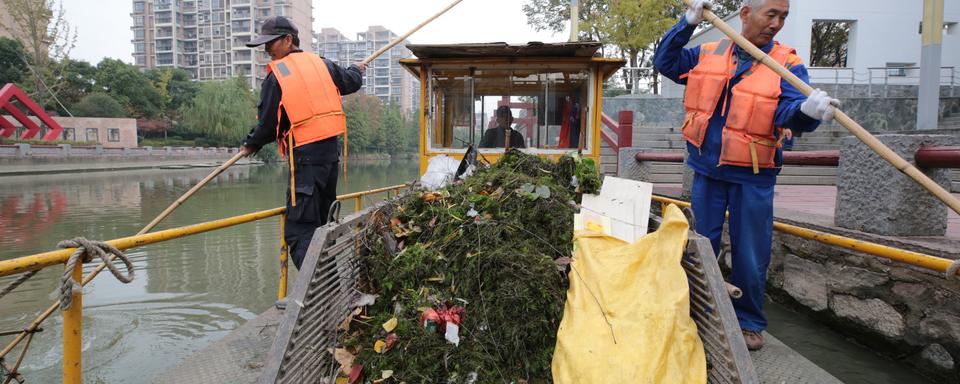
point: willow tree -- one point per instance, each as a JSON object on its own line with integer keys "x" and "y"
{"x": 222, "y": 112}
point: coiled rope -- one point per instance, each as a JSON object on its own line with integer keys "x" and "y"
{"x": 85, "y": 250}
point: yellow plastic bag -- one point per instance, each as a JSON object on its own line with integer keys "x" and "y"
{"x": 627, "y": 316}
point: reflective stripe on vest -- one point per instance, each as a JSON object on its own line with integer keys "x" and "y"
{"x": 310, "y": 99}
{"x": 748, "y": 138}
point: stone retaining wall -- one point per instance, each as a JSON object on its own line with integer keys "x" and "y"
{"x": 900, "y": 311}
{"x": 25, "y": 154}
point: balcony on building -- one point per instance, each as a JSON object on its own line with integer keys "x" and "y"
{"x": 187, "y": 6}
{"x": 164, "y": 45}
{"x": 162, "y": 18}
{"x": 164, "y": 32}
{"x": 162, "y": 5}
{"x": 240, "y": 13}
{"x": 242, "y": 56}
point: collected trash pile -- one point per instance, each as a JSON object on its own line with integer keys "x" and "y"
{"x": 466, "y": 284}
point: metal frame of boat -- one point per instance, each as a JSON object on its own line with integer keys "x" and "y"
{"x": 326, "y": 288}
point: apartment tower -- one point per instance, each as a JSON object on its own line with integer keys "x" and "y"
{"x": 207, "y": 37}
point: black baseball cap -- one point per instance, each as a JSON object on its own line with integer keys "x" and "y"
{"x": 274, "y": 28}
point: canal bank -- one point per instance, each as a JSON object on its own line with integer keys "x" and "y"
{"x": 26, "y": 159}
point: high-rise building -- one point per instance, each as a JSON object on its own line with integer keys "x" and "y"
{"x": 385, "y": 78}
{"x": 207, "y": 37}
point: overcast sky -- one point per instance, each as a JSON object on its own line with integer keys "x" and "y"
{"x": 103, "y": 26}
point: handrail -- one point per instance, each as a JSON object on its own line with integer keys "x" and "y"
{"x": 46, "y": 259}
{"x": 917, "y": 259}
{"x": 623, "y": 128}
{"x": 925, "y": 157}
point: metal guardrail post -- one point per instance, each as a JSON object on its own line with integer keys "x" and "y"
{"x": 284, "y": 269}
{"x": 357, "y": 204}
{"x": 73, "y": 333}
{"x": 625, "y": 129}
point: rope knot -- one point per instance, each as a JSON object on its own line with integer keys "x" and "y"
{"x": 84, "y": 253}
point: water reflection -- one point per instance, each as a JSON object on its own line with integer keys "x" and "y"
{"x": 187, "y": 292}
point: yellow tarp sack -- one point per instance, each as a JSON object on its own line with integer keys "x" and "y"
{"x": 627, "y": 316}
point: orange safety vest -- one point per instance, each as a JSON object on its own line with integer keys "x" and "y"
{"x": 748, "y": 138}
{"x": 310, "y": 98}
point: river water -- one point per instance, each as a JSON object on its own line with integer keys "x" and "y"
{"x": 187, "y": 292}
{"x": 191, "y": 291}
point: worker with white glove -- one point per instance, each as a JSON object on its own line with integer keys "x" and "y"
{"x": 694, "y": 15}
{"x": 819, "y": 106}
{"x": 736, "y": 113}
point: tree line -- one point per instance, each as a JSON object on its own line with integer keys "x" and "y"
{"x": 170, "y": 105}
{"x": 630, "y": 29}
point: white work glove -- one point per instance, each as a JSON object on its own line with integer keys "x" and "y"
{"x": 694, "y": 15}
{"x": 819, "y": 106}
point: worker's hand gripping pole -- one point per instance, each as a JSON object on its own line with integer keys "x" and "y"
{"x": 842, "y": 118}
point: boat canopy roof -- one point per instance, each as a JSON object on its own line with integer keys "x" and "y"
{"x": 504, "y": 50}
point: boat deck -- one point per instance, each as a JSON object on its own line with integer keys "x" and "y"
{"x": 239, "y": 358}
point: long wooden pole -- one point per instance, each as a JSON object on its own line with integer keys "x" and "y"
{"x": 406, "y": 35}
{"x": 842, "y": 118}
{"x": 176, "y": 204}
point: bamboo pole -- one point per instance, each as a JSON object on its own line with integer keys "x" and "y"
{"x": 176, "y": 204}
{"x": 856, "y": 129}
{"x": 406, "y": 35}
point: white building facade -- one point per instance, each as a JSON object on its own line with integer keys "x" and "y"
{"x": 883, "y": 46}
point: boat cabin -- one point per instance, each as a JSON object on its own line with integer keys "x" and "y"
{"x": 549, "y": 94}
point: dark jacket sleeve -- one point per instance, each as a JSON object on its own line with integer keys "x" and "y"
{"x": 347, "y": 80}
{"x": 266, "y": 130}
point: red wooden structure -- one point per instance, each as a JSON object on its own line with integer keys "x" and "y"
{"x": 10, "y": 93}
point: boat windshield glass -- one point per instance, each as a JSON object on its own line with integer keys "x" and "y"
{"x": 541, "y": 108}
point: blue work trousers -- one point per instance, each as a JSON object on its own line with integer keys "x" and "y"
{"x": 751, "y": 232}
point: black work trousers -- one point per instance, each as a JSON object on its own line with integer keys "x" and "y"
{"x": 316, "y": 190}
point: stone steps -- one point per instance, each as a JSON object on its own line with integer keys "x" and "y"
{"x": 672, "y": 173}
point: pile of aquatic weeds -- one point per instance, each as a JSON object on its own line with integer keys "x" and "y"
{"x": 496, "y": 245}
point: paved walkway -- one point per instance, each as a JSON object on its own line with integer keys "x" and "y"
{"x": 815, "y": 199}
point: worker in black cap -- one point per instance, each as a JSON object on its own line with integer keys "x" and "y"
{"x": 503, "y": 136}
{"x": 300, "y": 107}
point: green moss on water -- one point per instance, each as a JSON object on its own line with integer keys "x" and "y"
{"x": 487, "y": 244}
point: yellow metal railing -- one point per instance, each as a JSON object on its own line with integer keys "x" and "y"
{"x": 904, "y": 256}
{"x": 73, "y": 316}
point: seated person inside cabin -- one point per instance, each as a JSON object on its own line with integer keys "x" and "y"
{"x": 496, "y": 137}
